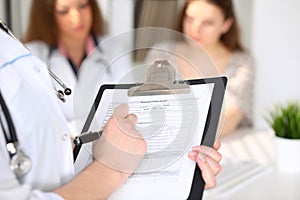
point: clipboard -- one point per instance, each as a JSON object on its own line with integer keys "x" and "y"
{"x": 161, "y": 82}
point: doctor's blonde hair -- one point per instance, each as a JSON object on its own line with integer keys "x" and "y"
{"x": 42, "y": 25}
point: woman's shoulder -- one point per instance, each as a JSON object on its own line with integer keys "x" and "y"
{"x": 242, "y": 58}
{"x": 38, "y": 44}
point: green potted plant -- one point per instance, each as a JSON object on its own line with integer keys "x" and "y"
{"x": 284, "y": 119}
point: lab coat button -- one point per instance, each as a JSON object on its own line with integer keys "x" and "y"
{"x": 65, "y": 137}
{"x": 36, "y": 69}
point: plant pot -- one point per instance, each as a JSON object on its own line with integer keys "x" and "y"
{"x": 287, "y": 154}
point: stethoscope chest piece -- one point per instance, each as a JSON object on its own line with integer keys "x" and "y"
{"x": 20, "y": 164}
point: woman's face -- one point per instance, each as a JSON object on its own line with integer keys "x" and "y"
{"x": 204, "y": 23}
{"x": 73, "y": 18}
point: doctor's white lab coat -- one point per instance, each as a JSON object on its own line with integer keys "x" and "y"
{"x": 41, "y": 127}
{"x": 106, "y": 64}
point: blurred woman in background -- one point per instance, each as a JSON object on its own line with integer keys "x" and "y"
{"x": 66, "y": 35}
{"x": 213, "y": 26}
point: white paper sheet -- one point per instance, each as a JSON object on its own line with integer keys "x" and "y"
{"x": 171, "y": 125}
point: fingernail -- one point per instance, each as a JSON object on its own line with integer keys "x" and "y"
{"x": 192, "y": 153}
{"x": 205, "y": 150}
{"x": 201, "y": 156}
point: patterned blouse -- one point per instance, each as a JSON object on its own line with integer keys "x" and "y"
{"x": 239, "y": 92}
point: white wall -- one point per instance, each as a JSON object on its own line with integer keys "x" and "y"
{"x": 276, "y": 49}
{"x": 243, "y": 10}
{"x": 119, "y": 14}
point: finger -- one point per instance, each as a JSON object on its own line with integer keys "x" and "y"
{"x": 214, "y": 165}
{"x": 217, "y": 145}
{"x": 132, "y": 118}
{"x": 203, "y": 149}
{"x": 121, "y": 110}
{"x": 193, "y": 155}
{"x": 214, "y": 154}
{"x": 129, "y": 126}
{"x": 196, "y": 148}
{"x": 207, "y": 173}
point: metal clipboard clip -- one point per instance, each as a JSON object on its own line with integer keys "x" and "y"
{"x": 160, "y": 80}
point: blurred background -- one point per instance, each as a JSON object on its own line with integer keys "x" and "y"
{"x": 270, "y": 31}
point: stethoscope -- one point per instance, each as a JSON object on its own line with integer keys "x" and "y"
{"x": 101, "y": 60}
{"x": 19, "y": 162}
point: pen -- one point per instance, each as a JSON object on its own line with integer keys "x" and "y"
{"x": 87, "y": 137}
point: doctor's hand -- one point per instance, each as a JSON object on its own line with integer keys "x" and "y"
{"x": 208, "y": 160}
{"x": 121, "y": 146}
{"x": 116, "y": 153}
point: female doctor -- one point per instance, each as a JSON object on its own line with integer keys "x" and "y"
{"x": 37, "y": 131}
{"x": 34, "y": 130}
{"x": 67, "y": 36}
